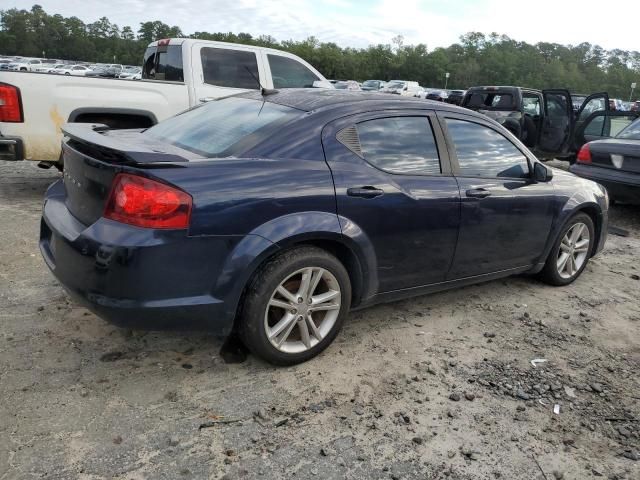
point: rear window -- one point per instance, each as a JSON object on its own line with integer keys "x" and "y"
{"x": 229, "y": 68}
{"x": 162, "y": 63}
{"x": 631, "y": 132}
{"x": 223, "y": 128}
{"x": 497, "y": 101}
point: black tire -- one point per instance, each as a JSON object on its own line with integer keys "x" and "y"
{"x": 550, "y": 273}
{"x": 251, "y": 319}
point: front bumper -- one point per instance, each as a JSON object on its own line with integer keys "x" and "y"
{"x": 623, "y": 186}
{"x": 135, "y": 277}
{"x": 11, "y": 148}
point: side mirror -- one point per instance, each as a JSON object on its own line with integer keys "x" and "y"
{"x": 542, "y": 173}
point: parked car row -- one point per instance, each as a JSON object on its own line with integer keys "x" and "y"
{"x": 84, "y": 69}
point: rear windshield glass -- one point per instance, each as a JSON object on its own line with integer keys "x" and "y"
{"x": 223, "y": 128}
{"x": 163, "y": 63}
{"x": 497, "y": 101}
{"x": 631, "y": 132}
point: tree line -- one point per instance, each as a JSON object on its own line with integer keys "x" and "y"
{"x": 477, "y": 59}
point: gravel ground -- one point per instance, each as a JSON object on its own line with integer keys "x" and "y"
{"x": 440, "y": 386}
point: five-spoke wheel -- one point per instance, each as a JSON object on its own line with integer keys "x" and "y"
{"x": 295, "y": 305}
{"x": 571, "y": 252}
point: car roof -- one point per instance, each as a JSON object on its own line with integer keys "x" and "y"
{"x": 315, "y": 99}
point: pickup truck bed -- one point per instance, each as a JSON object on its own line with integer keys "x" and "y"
{"x": 49, "y": 101}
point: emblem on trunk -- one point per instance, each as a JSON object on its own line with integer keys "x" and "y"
{"x": 617, "y": 160}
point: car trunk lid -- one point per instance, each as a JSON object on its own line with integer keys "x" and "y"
{"x": 93, "y": 156}
{"x": 616, "y": 154}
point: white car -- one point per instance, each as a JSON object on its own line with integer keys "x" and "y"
{"x": 131, "y": 73}
{"x": 402, "y": 87}
{"x": 25, "y": 65}
{"x": 75, "y": 70}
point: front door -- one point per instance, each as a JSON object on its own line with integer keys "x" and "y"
{"x": 598, "y": 102}
{"x": 557, "y": 123}
{"x": 393, "y": 184}
{"x": 505, "y": 214}
{"x": 603, "y": 124}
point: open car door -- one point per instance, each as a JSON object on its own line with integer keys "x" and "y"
{"x": 597, "y": 102}
{"x": 602, "y": 124}
{"x": 557, "y": 124}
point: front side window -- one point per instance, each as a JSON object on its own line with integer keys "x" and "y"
{"x": 402, "y": 145}
{"x": 483, "y": 152}
{"x": 230, "y": 68}
{"x": 289, "y": 73}
{"x": 224, "y": 127}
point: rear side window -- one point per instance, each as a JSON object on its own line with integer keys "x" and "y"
{"x": 229, "y": 68}
{"x": 402, "y": 145}
{"x": 483, "y": 152}
{"x": 223, "y": 128}
{"x": 162, "y": 63}
{"x": 289, "y": 73}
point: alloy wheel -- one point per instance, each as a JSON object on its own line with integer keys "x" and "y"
{"x": 302, "y": 310}
{"x": 573, "y": 251}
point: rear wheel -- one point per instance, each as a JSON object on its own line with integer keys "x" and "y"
{"x": 295, "y": 306}
{"x": 571, "y": 252}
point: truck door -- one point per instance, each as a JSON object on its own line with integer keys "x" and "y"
{"x": 557, "y": 123}
{"x": 220, "y": 71}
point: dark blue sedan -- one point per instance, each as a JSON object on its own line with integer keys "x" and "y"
{"x": 273, "y": 214}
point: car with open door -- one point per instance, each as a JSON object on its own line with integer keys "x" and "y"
{"x": 544, "y": 120}
{"x": 610, "y": 154}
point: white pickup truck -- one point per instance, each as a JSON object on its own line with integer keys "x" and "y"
{"x": 177, "y": 74}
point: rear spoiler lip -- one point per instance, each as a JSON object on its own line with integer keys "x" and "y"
{"x": 90, "y": 134}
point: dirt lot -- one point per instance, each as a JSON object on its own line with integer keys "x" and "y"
{"x": 440, "y": 386}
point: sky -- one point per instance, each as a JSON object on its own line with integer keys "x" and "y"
{"x": 359, "y": 23}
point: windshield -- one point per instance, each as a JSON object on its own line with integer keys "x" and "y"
{"x": 222, "y": 128}
{"x": 396, "y": 85}
{"x": 371, "y": 83}
{"x": 631, "y": 132}
{"x": 341, "y": 85}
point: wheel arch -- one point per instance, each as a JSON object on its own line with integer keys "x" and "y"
{"x": 319, "y": 229}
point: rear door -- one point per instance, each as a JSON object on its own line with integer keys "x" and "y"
{"x": 219, "y": 71}
{"x": 393, "y": 185}
{"x": 557, "y": 123}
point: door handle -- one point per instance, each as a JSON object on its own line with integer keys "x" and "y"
{"x": 206, "y": 99}
{"x": 365, "y": 192}
{"x": 478, "y": 193}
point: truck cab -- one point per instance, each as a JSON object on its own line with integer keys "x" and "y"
{"x": 544, "y": 120}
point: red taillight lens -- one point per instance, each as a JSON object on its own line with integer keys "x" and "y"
{"x": 146, "y": 203}
{"x": 584, "y": 155}
{"x": 10, "y": 104}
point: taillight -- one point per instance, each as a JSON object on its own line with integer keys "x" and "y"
{"x": 10, "y": 104}
{"x": 584, "y": 155}
{"x": 146, "y": 203}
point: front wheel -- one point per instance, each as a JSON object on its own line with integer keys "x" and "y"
{"x": 295, "y": 306}
{"x": 570, "y": 254}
